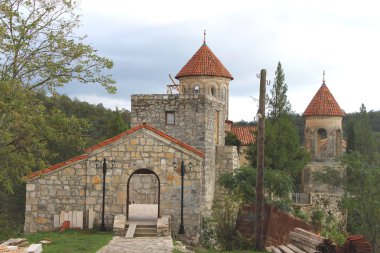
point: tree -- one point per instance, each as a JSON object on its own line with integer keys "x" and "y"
{"x": 359, "y": 133}
{"x": 283, "y": 151}
{"x": 22, "y": 124}
{"x": 40, "y": 49}
{"x": 278, "y": 101}
{"x": 361, "y": 185}
{"x": 241, "y": 183}
{"x": 232, "y": 140}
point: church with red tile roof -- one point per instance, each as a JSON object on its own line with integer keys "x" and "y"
{"x": 143, "y": 165}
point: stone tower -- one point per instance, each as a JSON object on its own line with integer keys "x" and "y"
{"x": 323, "y": 138}
{"x": 323, "y": 129}
{"x": 205, "y": 74}
{"x": 196, "y": 115}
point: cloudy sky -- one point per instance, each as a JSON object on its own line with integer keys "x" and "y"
{"x": 147, "y": 40}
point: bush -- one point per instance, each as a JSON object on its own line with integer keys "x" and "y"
{"x": 300, "y": 214}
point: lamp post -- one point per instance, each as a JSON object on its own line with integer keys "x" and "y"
{"x": 184, "y": 169}
{"x": 104, "y": 164}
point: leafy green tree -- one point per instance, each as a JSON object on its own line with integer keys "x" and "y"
{"x": 278, "y": 103}
{"x": 232, "y": 140}
{"x": 241, "y": 183}
{"x": 361, "y": 185}
{"x": 283, "y": 151}
{"x": 117, "y": 124}
{"x": 39, "y": 46}
{"x": 359, "y": 133}
{"x": 22, "y": 122}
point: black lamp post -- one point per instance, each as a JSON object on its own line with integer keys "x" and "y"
{"x": 184, "y": 169}
{"x": 104, "y": 164}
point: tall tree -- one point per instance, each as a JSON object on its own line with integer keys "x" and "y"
{"x": 283, "y": 151}
{"x": 278, "y": 103}
{"x": 361, "y": 185}
{"x": 359, "y": 133}
{"x": 39, "y": 46}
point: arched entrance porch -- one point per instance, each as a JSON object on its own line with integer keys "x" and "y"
{"x": 143, "y": 195}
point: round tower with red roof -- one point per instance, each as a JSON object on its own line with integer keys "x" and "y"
{"x": 205, "y": 74}
{"x": 323, "y": 129}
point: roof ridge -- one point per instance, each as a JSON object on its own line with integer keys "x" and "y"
{"x": 109, "y": 141}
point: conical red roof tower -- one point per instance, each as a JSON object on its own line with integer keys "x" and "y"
{"x": 204, "y": 63}
{"x": 323, "y": 104}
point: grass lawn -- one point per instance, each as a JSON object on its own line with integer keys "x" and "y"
{"x": 70, "y": 241}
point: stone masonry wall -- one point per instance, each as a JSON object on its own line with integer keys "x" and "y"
{"x": 79, "y": 186}
{"x": 227, "y": 160}
{"x": 143, "y": 189}
{"x": 199, "y": 122}
{"x": 51, "y": 193}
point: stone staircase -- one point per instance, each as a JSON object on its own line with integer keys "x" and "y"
{"x": 145, "y": 231}
{"x": 141, "y": 228}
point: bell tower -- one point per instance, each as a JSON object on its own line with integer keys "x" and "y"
{"x": 204, "y": 74}
{"x": 323, "y": 129}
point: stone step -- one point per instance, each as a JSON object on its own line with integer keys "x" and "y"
{"x": 145, "y": 231}
{"x": 131, "y": 230}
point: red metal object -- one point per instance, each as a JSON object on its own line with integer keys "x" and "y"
{"x": 355, "y": 244}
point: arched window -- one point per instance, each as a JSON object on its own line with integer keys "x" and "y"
{"x": 213, "y": 91}
{"x": 197, "y": 89}
{"x": 224, "y": 93}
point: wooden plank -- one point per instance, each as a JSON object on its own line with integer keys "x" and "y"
{"x": 309, "y": 234}
{"x": 295, "y": 248}
{"x": 276, "y": 250}
{"x": 306, "y": 248}
{"x": 131, "y": 230}
{"x": 285, "y": 249}
{"x": 296, "y": 237}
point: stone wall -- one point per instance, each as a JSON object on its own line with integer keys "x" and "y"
{"x": 78, "y": 186}
{"x": 328, "y": 203}
{"x": 194, "y": 116}
{"x": 310, "y": 185}
{"x": 143, "y": 189}
{"x": 51, "y": 193}
{"x": 199, "y": 122}
{"x": 227, "y": 160}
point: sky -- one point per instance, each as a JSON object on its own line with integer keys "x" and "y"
{"x": 147, "y": 40}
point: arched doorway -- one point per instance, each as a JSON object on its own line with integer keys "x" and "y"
{"x": 143, "y": 195}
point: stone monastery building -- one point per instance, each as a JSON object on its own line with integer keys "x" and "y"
{"x": 166, "y": 130}
{"x": 188, "y": 127}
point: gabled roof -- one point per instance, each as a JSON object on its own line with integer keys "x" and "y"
{"x": 57, "y": 166}
{"x": 323, "y": 104}
{"x": 112, "y": 140}
{"x": 204, "y": 63}
{"x": 145, "y": 126}
{"x": 244, "y": 134}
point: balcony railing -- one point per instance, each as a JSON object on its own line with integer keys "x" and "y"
{"x": 301, "y": 198}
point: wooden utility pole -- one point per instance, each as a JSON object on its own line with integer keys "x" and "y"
{"x": 259, "y": 215}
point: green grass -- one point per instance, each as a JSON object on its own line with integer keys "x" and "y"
{"x": 69, "y": 241}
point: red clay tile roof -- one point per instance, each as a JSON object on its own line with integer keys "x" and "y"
{"x": 323, "y": 104}
{"x": 244, "y": 134}
{"x": 57, "y": 166}
{"x": 111, "y": 140}
{"x": 204, "y": 63}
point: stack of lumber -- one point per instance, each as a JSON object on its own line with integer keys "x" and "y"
{"x": 303, "y": 241}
